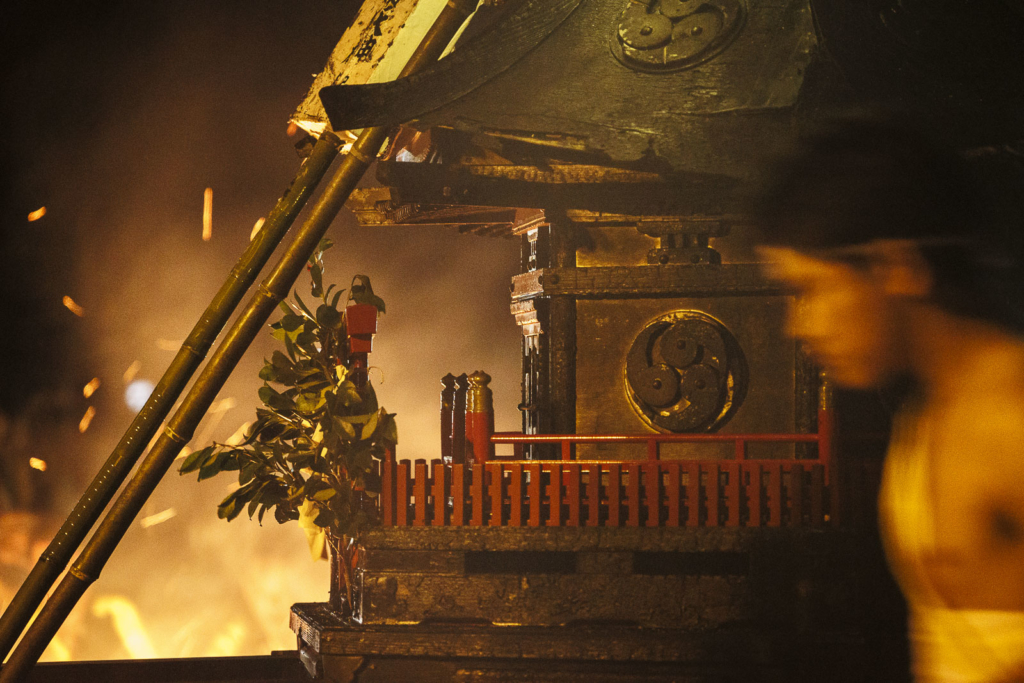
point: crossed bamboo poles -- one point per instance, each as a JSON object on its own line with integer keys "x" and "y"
{"x": 181, "y": 427}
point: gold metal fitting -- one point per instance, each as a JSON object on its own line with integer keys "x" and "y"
{"x": 479, "y": 398}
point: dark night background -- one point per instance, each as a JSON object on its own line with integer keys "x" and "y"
{"x": 115, "y": 117}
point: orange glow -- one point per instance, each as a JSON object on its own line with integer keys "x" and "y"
{"x": 132, "y": 370}
{"x": 37, "y": 464}
{"x": 293, "y": 128}
{"x": 86, "y": 420}
{"x": 37, "y": 214}
{"x": 127, "y": 624}
{"x": 73, "y": 307}
{"x": 256, "y": 229}
{"x": 168, "y": 344}
{"x": 208, "y": 214}
{"x": 90, "y": 388}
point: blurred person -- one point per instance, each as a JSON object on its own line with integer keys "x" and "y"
{"x": 886, "y": 243}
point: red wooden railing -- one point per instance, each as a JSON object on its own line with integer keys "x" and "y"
{"x": 736, "y": 492}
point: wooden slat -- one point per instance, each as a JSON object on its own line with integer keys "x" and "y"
{"x": 496, "y": 491}
{"x": 774, "y": 472}
{"x": 652, "y": 491}
{"x": 817, "y": 496}
{"x": 593, "y": 495}
{"x": 712, "y": 489}
{"x": 515, "y": 495}
{"x": 387, "y": 490}
{"x": 442, "y": 483}
{"x": 754, "y": 493}
{"x": 633, "y": 494}
{"x": 535, "y": 495}
{"x": 476, "y": 494}
{"x": 554, "y": 494}
{"x": 795, "y": 494}
{"x": 419, "y": 489}
{"x": 672, "y": 491}
{"x": 613, "y": 493}
{"x": 402, "y": 493}
{"x": 458, "y": 495}
{"x": 572, "y": 494}
{"x": 732, "y": 493}
{"x": 692, "y": 494}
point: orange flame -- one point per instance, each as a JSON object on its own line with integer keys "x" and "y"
{"x": 208, "y": 214}
{"x": 73, "y": 307}
{"x": 37, "y": 214}
{"x": 90, "y": 388}
{"x": 86, "y": 420}
{"x": 132, "y": 370}
{"x": 37, "y": 464}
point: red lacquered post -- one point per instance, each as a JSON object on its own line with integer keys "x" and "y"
{"x": 479, "y": 418}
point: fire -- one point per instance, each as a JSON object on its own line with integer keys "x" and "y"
{"x": 208, "y": 214}
{"x": 90, "y": 388}
{"x": 37, "y": 214}
{"x": 256, "y": 229}
{"x": 73, "y": 307}
{"x": 86, "y": 420}
{"x": 132, "y": 370}
{"x": 127, "y": 624}
{"x": 37, "y": 464}
{"x": 158, "y": 518}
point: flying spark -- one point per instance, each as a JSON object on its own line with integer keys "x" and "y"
{"x": 73, "y": 307}
{"x": 37, "y": 464}
{"x": 208, "y": 214}
{"x": 158, "y": 518}
{"x": 37, "y": 214}
{"x": 168, "y": 344}
{"x": 132, "y": 370}
{"x": 86, "y": 420}
{"x": 90, "y": 388}
{"x": 256, "y": 229}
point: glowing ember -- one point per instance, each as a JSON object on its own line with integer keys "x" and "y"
{"x": 256, "y": 229}
{"x": 90, "y": 388}
{"x": 37, "y": 464}
{"x": 168, "y": 344}
{"x": 37, "y": 214}
{"x": 86, "y": 420}
{"x": 158, "y": 518}
{"x": 73, "y": 307}
{"x": 208, "y": 214}
{"x": 127, "y": 624}
{"x": 293, "y": 128}
{"x": 132, "y": 370}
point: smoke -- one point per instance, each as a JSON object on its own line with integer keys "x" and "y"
{"x": 202, "y": 100}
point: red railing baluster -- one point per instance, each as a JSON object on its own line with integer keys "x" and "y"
{"x": 476, "y": 494}
{"x": 440, "y": 494}
{"x": 419, "y": 490}
{"x": 633, "y": 494}
{"x": 535, "y": 495}
{"x": 402, "y": 493}
{"x": 572, "y": 494}
{"x": 554, "y": 492}
{"x": 692, "y": 494}
{"x": 796, "y": 495}
{"x": 458, "y": 494}
{"x": 652, "y": 490}
{"x": 566, "y": 450}
{"x": 733, "y": 491}
{"x": 593, "y": 495}
{"x": 613, "y": 493}
{"x": 713, "y": 492}
{"x": 652, "y": 449}
{"x": 774, "y": 493}
{"x": 754, "y": 493}
{"x": 515, "y": 495}
{"x": 672, "y": 490}
{"x": 387, "y": 489}
{"x": 496, "y": 492}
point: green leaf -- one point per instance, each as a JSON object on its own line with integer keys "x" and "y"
{"x": 362, "y": 293}
{"x": 213, "y": 466}
{"x": 302, "y": 305}
{"x": 195, "y": 460}
{"x": 370, "y": 427}
{"x": 337, "y": 296}
{"x": 391, "y": 430}
{"x": 328, "y": 317}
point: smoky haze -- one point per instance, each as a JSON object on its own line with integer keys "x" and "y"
{"x": 117, "y": 122}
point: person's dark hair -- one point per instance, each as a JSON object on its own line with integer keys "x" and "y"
{"x": 861, "y": 180}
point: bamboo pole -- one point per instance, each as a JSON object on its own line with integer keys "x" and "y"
{"x": 250, "y": 321}
{"x": 122, "y": 459}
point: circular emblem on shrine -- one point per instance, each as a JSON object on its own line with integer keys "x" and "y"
{"x": 685, "y": 372}
{"x": 670, "y": 35}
